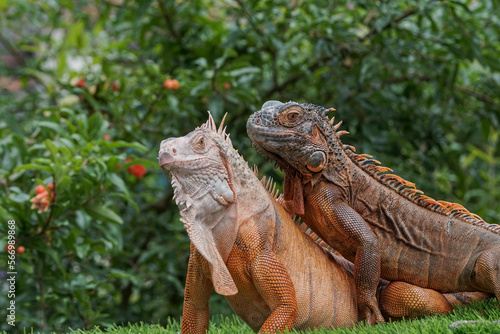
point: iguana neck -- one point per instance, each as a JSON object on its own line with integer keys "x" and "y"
{"x": 204, "y": 209}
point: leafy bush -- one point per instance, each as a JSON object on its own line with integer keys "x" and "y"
{"x": 85, "y": 102}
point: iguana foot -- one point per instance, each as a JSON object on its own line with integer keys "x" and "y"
{"x": 371, "y": 314}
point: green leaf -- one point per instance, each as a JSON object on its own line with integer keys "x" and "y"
{"x": 245, "y": 70}
{"x": 47, "y": 80}
{"x": 121, "y": 143}
{"x": 33, "y": 166}
{"x": 120, "y": 184}
{"x": 50, "y": 125}
{"x": 216, "y": 106}
{"x": 103, "y": 213}
{"x": 82, "y": 250}
{"x": 63, "y": 183}
{"x": 56, "y": 257}
{"x": 74, "y": 34}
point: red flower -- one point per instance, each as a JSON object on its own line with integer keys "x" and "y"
{"x": 42, "y": 199}
{"x": 80, "y": 83}
{"x": 115, "y": 86}
{"x": 40, "y": 189}
{"x": 138, "y": 170}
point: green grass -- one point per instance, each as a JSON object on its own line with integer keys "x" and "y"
{"x": 484, "y": 312}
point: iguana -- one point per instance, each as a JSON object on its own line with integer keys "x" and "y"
{"x": 379, "y": 221}
{"x": 246, "y": 245}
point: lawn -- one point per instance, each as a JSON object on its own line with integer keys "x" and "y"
{"x": 486, "y": 314}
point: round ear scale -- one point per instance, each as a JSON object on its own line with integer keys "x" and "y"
{"x": 316, "y": 162}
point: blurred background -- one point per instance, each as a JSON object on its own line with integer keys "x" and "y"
{"x": 88, "y": 89}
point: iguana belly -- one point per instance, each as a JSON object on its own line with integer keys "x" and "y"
{"x": 325, "y": 291}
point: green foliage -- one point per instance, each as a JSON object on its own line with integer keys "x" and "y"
{"x": 417, "y": 84}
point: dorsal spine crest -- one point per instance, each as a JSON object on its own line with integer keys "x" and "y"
{"x": 404, "y": 188}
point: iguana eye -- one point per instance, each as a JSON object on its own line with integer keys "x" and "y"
{"x": 199, "y": 143}
{"x": 290, "y": 116}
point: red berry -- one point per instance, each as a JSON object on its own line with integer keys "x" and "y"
{"x": 106, "y": 137}
{"x": 80, "y": 83}
{"x": 21, "y": 249}
{"x": 227, "y": 85}
{"x": 9, "y": 247}
{"x": 172, "y": 84}
{"x": 115, "y": 86}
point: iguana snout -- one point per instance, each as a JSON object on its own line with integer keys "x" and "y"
{"x": 167, "y": 151}
{"x": 174, "y": 151}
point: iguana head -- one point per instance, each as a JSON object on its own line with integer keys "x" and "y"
{"x": 200, "y": 167}
{"x": 299, "y": 138}
{"x": 288, "y": 133}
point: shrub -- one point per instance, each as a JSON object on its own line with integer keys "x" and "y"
{"x": 91, "y": 88}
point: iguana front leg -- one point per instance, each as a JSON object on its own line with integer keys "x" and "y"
{"x": 195, "y": 313}
{"x": 349, "y": 233}
{"x": 276, "y": 288}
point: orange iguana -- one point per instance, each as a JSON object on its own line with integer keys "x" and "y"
{"x": 379, "y": 221}
{"x": 246, "y": 245}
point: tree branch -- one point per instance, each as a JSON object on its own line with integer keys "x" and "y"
{"x": 168, "y": 21}
{"x": 375, "y": 31}
{"x": 480, "y": 97}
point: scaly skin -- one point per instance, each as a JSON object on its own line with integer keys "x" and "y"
{"x": 378, "y": 221}
{"x": 278, "y": 276}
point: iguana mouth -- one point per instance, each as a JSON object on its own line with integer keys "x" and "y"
{"x": 166, "y": 161}
{"x": 273, "y": 158}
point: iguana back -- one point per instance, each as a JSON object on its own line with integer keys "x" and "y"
{"x": 378, "y": 220}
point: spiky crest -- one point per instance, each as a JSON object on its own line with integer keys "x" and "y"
{"x": 255, "y": 171}
{"x": 405, "y": 188}
{"x": 221, "y": 131}
{"x": 270, "y": 186}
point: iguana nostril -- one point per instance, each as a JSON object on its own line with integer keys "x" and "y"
{"x": 316, "y": 161}
{"x": 174, "y": 151}
{"x": 257, "y": 121}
